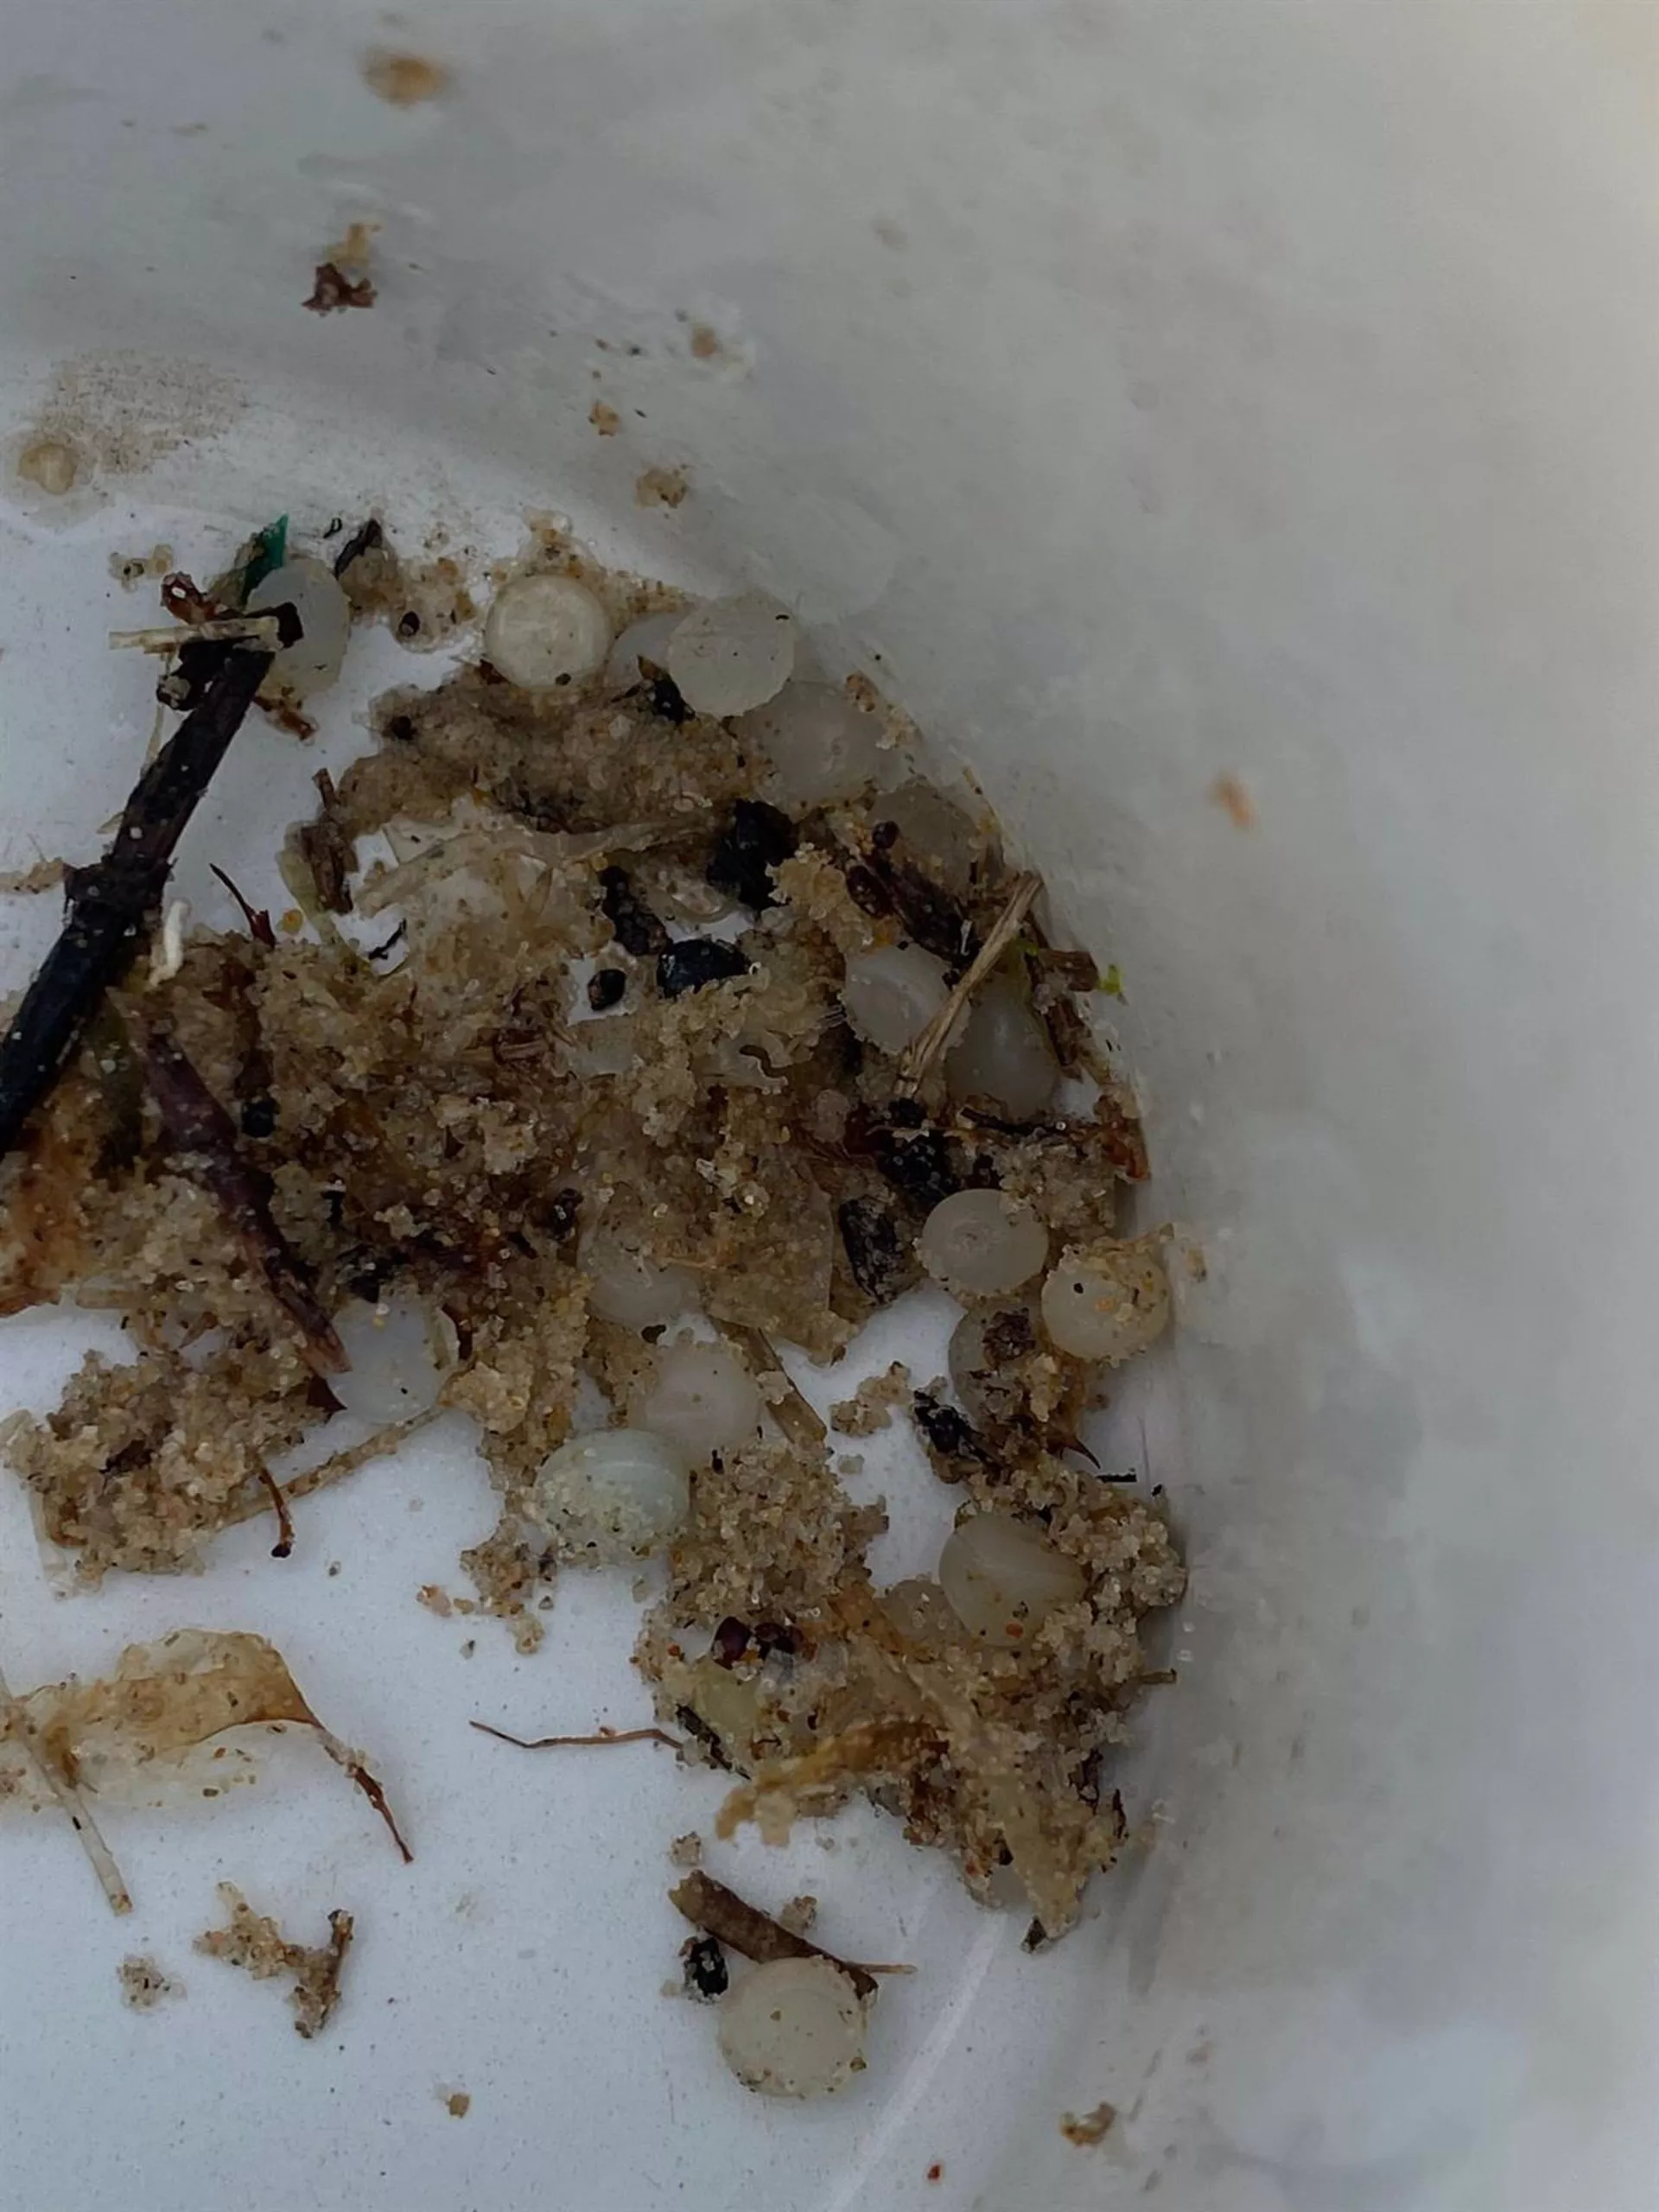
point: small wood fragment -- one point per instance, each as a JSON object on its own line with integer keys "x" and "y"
{"x": 721, "y": 1912}
{"x": 1086, "y": 2129}
{"x": 283, "y": 1545}
{"x": 332, "y": 290}
{"x": 794, "y": 1413}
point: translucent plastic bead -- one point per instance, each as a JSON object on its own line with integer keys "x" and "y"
{"x": 1106, "y": 1303}
{"x": 982, "y": 1244}
{"x": 614, "y": 1495}
{"x": 544, "y": 631}
{"x": 626, "y": 1286}
{"x": 732, "y": 655}
{"x": 793, "y": 2028}
{"x": 1003, "y": 1577}
{"x": 646, "y": 639}
{"x": 891, "y": 994}
{"x": 936, "y": 835}
{"x": 1003, "y": 1054}
{"x": 325, "y": 612}
{"x": 397, "y": 1365}
{"x": 702, "y": 1398}
{"x": 821, "y": 745}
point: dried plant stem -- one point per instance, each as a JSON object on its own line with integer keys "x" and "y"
{"x": 920, "y": 1055}
{"x": 231, "y": 629}
{"x": 336, "y": 1466}
{"x": 602, "y": 1736}
{"x": 15, "y": 1721}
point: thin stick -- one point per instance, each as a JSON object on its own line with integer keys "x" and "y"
{"x": 721, "y": 1912}
{"x": 921, "y": 1053}
{"x": 15, "y": 1721}
{"x": 208, "y": 1149}
{"x": 258, "y": 919}
{"x": 230, "y": 629}
{"x": 796, "y": 1415}
{"x": 109, "y": 905}
{"x": 602, "y": 1736}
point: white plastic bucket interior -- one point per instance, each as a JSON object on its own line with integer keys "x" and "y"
{"x": 1150, "y": 395}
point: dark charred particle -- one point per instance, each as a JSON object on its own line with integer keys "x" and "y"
{"x": 877, "y": 1256}
{"x": 369, "y": 539}
{"x": 698, "y": 1729}
{"x": 258, "y": 1118}
{"x": 730, "y": 1642}
{"x": 409, "y": 624}
{"x": 929, "y": 914}
{"x": 778, "y": 1637}
{"x": 906, "y": 1113}
{"x": 1036, "y": 1938}
{"x": 606, "y": 988}
{"x": 638, "y": 930}
{"x": 919, "y": 1163}
{"x": 755, "y": 840}
{"x": 706, "y": 1979}
{"x": 400, "y": 728}
{"x": 663, "y": 694}
{"x": 953, "y": 1443}
{"x": 383, "y": 951}
{"x": 867, "y": 892}
{"x": 696, "y": 961}
{"x": 332, "y": 288}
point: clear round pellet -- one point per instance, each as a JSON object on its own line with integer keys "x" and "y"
{"x": 311, "y": 588}
{"x": 645, "y": 638}
{"x": 1003, "y": 1056}
{"x": 702, "y": 1398}
{"x": 891, "y": 994}
{"x": 793, "y": 2028}
{"x": 611, "y": 1497}
{"x": 981, "y": 1243}
{"x": 1106, "y": 1303}
{"x": 732, "y": 655}
{"x": 820, "y": 745}
{"x": 626, "y": 1286}
{"x": 546, "y": 631}
{"x": 1004, "y": 1578}
{"x": 398, "y": 1358}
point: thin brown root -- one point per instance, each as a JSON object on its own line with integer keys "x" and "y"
{"x": 603, "y": 1736}
{"x": 344, "y": 1757}
{"x": 284, "y": 1544}
{"x": 15, "y": 1721}
{"x": 920, "y": 1055}
{"x": 337, "y": 1465}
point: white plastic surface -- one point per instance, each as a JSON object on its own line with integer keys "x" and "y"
{"x": 1249, "y": 389}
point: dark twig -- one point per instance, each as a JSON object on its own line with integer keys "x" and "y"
{"x": 258, "y": 919}
{"x": 109, "y": 905}
{"x": 209, "y": 1150}
{"x": 283, "y": 1547}
{"x": 721, "y": 1912}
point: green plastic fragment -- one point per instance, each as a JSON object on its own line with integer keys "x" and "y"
{"x": 270, "y": 551}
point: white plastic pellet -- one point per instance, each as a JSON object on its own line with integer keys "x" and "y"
{"x": 544, "y": 631}
{"x": 326, "y": 615}
{"x": 983, "y": 1242}
{"x": 702, "y": 1398}
{"x": 732, "y": 655}
{"x": 821, "y": 745}
{"x": 793, "y": 2028}
{"x": 1003, "y": 1577}
{"x": 1003, "y": 1054}
{"x": 646, "y": 639}
{"x": 628, "y": 1288}
{"x": 1106, "y": 1303}
{"x": 891, "y": 994}
{"x": 398, "y": 1360}
{"x": 613, "y": 1496}
{"x": 936, "y": 835}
